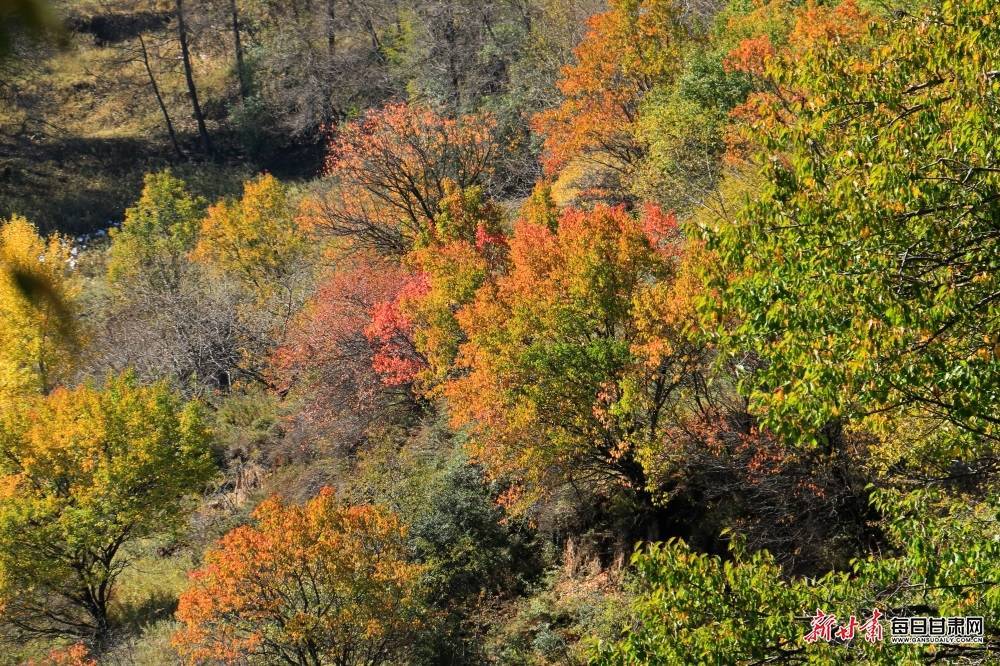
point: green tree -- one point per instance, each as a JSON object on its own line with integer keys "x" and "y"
{"x": 683, "y": 123}
{"x": 865, "y": 275}
{"x": 695, "y": 608}
{"x": 474, "y": 553}
{"x": 158, "y": 232}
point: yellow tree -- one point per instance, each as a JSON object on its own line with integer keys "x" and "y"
{"x": 159, "y": 230}
{"x": 83, "y": 473}
{"x": 37, "y": 330}
{"x": 256, "y": 238}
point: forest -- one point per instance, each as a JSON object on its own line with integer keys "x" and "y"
{"x": 528, "y": 332}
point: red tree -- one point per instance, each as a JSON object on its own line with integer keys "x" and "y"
{"x": 391, "y": 170}
{"x": 329, "y": 352}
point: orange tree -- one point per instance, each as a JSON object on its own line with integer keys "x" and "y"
{"x": 316, "y": 584}
{"x": 417, "y": 334}
{"x": 573, "y": 357}
{"x": 74, "y": 655}
{"x": 775, "y": 39}
{"x": 627, "y": 51}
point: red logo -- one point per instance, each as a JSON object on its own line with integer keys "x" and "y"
{"x": 824, "y": 627}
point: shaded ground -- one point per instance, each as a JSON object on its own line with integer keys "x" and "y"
{"x": 79, "y": 126}
{"x": 76, "y": 185}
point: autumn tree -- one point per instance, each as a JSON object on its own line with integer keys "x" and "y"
{"x": 257, "y": 240}
{"x": 85, "y": 473}
{"x": 328, "y": 355}
{"x": 568, "y": 369}
{"x": 765, "y": 45}
{"x": 417, "y": 335}
{"x": 150, "y": 249}
{"x": 171, "y": 315}
{"x": 322, "y": 583}
{"x": 389, "y": 171}
{"x": 38, "y": 328}
{"x": 627, "y": 51}
{"x": 864, "y": 275}
{"x": 378, "y": 327}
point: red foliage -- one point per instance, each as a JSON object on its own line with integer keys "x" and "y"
{"x": 486, "y": 240}
{"x": 74, "y": 655}
{"x": 391, "y": 169}
{"x": 661, "y": 230}
{"x": 391, "y": 335}
{"x": 328, "y": 351}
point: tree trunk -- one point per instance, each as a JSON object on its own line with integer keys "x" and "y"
{"x": 206, "y": 142}
{"x": 102, "y": 627}
{"x": 159, "y": 98}
{"x": 95, "y": 601}
{"x": 241, "y": 70}
{"x": 331, "y": 114}
{"x": 331, "y": 31}
{"x": 451, "y": 39}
